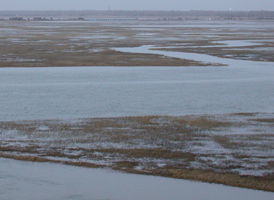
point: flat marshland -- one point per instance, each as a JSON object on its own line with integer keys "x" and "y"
{"x": 233, "y": 149}
{"x": 87, "y": 43}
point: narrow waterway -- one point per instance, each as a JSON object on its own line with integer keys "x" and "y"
{"x": 199, "y": 57}
{"x": 83, "y": 92}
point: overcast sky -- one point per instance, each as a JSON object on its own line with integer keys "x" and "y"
{"x": 136, "y": 4}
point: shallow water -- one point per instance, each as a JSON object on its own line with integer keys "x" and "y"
{"x": 81, "y": 92}
{"x": 147, "y": 49}
{"x": 237, "y": 43}
{"x": 27, "y": 180}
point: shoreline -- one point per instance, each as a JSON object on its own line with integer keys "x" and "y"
{"x": 233, "y": 149}
{"x": 153, "y": 145}
{"x": 264, "y": 183}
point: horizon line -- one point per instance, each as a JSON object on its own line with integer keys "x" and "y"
{"x": 142, "y": 10}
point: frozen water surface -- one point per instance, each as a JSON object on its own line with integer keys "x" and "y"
{"x": 27, "y": 180}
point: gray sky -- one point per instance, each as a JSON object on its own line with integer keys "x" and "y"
{"x": 136, "y": 4}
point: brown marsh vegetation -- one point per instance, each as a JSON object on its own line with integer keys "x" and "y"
{"x": 57, "y": 43}
{"x": 229, "y": 149}
{"x": 234, "y": 149}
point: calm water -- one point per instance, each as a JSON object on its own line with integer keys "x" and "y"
{"x": 80, "y": 92}
{"x": 31, "y": 181}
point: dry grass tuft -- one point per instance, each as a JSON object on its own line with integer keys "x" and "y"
{"x": 267, "y": 120}
{"x": 261, "y": 183}
{"x": 245, "y": 114}
{"x": 125, "y": 164}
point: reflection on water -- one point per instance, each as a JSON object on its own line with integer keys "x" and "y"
{"x": 26, "y": 180}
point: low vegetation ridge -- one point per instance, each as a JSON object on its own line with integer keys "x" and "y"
{"x": 73, "y": 43}
{"x": 232, "y": 149}
{"x": 194, "y": 14}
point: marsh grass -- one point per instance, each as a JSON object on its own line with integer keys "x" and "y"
{"x": 245, "y": 114}
{"x": 137, "y": 144}
{"x": 204, "y": 47}
{"x": 261, "y": 183}
{"x": 266, "y": 120}
{"x": 222, "y": 140}
{"x": 93, "y": 44}
{"x": 67, "y": 46}
{"x": 125, "y": 164}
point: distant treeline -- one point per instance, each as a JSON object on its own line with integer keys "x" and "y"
{"x": 143, "y": 13}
